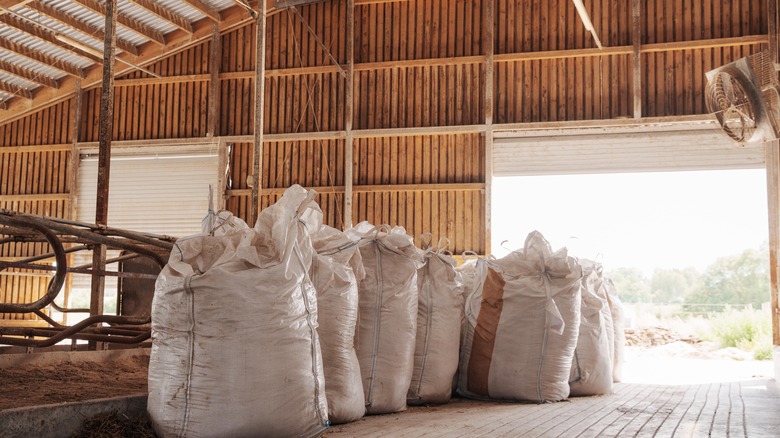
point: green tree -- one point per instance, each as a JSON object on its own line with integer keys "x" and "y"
{"x": 738, "y": 279}
{"x": 671, "y": 286}
{"x": 631, "y": 284}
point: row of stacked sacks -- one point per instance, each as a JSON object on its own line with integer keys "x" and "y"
{"x": 284, "y": 328}
{"x": 539, "y": 326}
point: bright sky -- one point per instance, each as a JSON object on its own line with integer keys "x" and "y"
{"x": 643, "y": 220}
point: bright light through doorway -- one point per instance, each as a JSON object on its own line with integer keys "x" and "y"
{"x": 641, "y": 220}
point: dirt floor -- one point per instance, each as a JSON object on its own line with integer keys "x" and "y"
{"x": 31, "y": 385}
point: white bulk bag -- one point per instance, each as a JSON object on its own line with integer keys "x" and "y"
{"x": 234, "y": 326}
{"x": 520, "y": 343}
{"x": 388, "y": 315}
{"x": 335, "y": 271}
{"x": 618, "y": 319}
{"x": 473, "y": 272}
{"x": 591, "y": 371}
{"x": 439, "y": 317}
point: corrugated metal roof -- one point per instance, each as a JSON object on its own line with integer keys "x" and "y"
{"x": 83, "y": 14}
{"x": 29, "y": 64}
{"x": 15, "y": 81}
{"x": 146, "y": 17}
{"x": 44, "y": 47}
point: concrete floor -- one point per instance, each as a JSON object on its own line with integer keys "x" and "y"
{"x": 747, "y": 408}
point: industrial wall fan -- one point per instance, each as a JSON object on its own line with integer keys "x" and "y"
{"x": 745, "y": 98}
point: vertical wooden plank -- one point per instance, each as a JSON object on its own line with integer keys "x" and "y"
{"x": 215, "y": 53}
{"x": 260, "y": 37}
{"x": 104, "y": 157}
{"x": 489, "y": 38}
{"x": 349, "y": 115}
{"x": 772, "y": 13}
{"x": 637, "y": 57}
{"x": 773, "y": 193}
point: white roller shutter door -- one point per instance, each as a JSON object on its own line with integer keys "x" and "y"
{"x": 160, "y": 194}
{"x": 152, "y": 193}
{"x": 694, "y": 146}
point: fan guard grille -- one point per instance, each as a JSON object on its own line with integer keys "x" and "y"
{"x": 727, "y": 97}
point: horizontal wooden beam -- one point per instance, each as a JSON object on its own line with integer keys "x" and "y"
{"x": 43, "y": 58}
{"x": 125, "y": 20}
{"x": 28, "y": 75}
{"x": 36, "y": 197}
{"x": 204, "y": 9}
{"x": 506, "y": 129}
{"x": 453, "y": 187}
{"x": 15, "y": 90}
{"x": 507, "y": 57}
{"x": 165, "y": 14}
{"x": 161, "y": 80}
{"x": 82, "y": 26}
{"x": 176, "y": 41}
{"x": 409, "y": 132}
{"x": 748, "y": 40}
{"x": 500, "y": 129}
{"x": 35, "y": 148}
{"x": 45, "y": 35}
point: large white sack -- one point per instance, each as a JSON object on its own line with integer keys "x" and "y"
{"x": 439, "y": 317}
{"x": 606, "y": 311}
{"x": 591, "y": 371}
{"x": 388, "y": 315}
{"x": 234, "y": 326}
{"x": 335, "y": 271}
{"x": 520, "y": 343}
{"x": 472, "y": 273}
{"x": 618, "y": 320}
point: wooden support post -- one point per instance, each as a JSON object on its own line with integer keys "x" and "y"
{"x": 220, "y": 190}
{"x": 489, "y": 41}
{"x": 73, "y": 163}
{"x": 637, "y": 57}
{"x": 257, "y": 162}
{"x": 772, "y": 13}
{"x": 215, "y": 53}
{"x": 105, "y": 132}
{"x": 773, "y": 194}
{"x": 349, "y": 114}
{"x": 73, "y": 177}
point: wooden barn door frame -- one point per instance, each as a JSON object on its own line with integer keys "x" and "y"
{"x": 773, "y": 195}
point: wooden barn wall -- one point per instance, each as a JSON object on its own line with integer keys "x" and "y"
{"x": 312, "y": 163}
{"x": 419, "y": 162}
{"x": 557, "y": 88}
{"x": 418, "y": 65}
{"x": 674, "y": 80}
{"x": 34, "y": 157}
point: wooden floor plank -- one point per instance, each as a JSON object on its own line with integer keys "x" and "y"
{"x": 729, "y": 409}
{"x": 672, "y": 421}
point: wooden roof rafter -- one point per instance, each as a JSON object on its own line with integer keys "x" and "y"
{"x": 165, "y": 14}
{"x": 45, "y": 35}
{"x": 79, "y": 25}
{"x": 28, "y": 75}
{"x": 204, "y": 9}
{"x": 15, "y": 90}
{"x": 176, "y": 41}
{"x": 42, "y": 58}
{"x": 125, "y": 20}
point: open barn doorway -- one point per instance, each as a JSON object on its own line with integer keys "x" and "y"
{"x": 675, "y": 212}
{"x": 687, "y": 251}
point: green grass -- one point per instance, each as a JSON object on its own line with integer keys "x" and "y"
{"x": 748, "y": 330}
